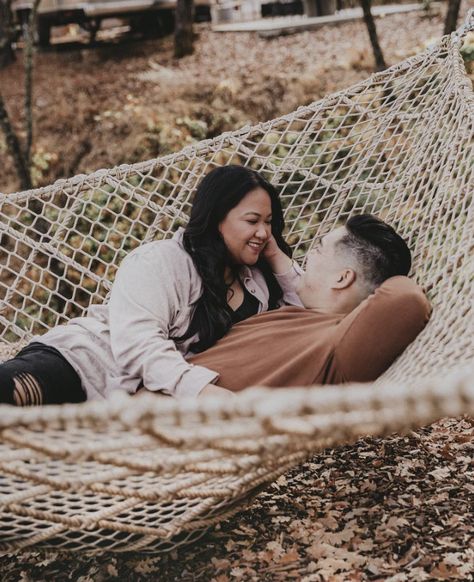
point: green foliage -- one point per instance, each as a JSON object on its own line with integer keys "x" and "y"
{"x": 346, "y": 160}
{"x": 467, "y": 49}
{"x": 41, "y": 162}
{"x": 197, "y": 128}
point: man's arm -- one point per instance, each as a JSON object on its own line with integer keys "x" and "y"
{"x": 380, "y": 328}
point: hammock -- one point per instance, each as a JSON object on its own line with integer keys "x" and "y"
{"x": 151, "y": 473}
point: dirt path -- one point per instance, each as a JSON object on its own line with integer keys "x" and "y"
{"x": 122, "y": 103}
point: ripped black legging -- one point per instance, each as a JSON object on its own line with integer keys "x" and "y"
{"x": 39, "y": 374}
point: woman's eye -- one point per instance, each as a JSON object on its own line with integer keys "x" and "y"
{"x": 252, "y": 221}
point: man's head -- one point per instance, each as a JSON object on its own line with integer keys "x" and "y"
{"x": 350, "y": 262}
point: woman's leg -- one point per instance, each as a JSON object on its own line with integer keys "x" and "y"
{"x": 37, "y": 375}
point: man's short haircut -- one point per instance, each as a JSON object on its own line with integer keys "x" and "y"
{"x": 378, "y": 249}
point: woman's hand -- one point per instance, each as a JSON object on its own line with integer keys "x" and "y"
{"x": 213, "y": 390}
{"x": 208, "y": 390}
{"x": 276, "y": 258}
{"x": 271, "y": 249}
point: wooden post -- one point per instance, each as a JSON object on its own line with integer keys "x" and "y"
{"x": 183, "y": 34}
{"x": 374, "y": 41}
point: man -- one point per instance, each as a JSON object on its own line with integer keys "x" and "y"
{"x": 360, "y": 313}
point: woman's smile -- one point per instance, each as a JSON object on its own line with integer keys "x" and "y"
{"x": 257, "y": 247}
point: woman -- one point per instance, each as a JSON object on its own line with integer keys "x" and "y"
{"x": 170, "y": 299}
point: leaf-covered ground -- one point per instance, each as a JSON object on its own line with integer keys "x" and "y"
{"x": 396, "y": 509}
{"x": 127, "y": 102}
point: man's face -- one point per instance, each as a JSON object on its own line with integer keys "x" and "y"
{"x": 324, "y": 264}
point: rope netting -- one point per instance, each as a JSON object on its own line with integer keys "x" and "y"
{"x": 152, "y": 473}
{"x": 149, "y": 473}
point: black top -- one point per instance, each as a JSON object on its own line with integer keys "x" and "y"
{"x": 247, "y": 308}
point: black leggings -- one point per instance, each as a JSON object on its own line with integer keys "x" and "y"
{"x": 39, "y": 374}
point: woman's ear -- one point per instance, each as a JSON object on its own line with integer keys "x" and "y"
{"x": 344, "y": 279}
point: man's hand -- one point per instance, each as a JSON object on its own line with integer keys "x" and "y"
{"x": 276, "y": 258}
{"x": 213, "y": 390}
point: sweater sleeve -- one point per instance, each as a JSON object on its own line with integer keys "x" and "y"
{"x": 288, "y": 282}
{"x": 378, "y": 331}
{"x": 144, "y": 301}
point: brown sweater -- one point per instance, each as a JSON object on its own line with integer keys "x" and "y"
{"x": 292, "y": 346}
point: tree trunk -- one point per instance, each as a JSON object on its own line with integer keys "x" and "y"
{"x": 22, "y": 158}
{"x": 6, "y": 34}
{"x": 14, "y": 147}
{"x": 183, "y": 34}
{"x": 28, "y": 56}
{"x": 369, "y": 21}
{"x": 452, "y": 16}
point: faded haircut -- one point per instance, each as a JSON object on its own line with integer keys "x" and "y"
{"x": 378, "y": 249}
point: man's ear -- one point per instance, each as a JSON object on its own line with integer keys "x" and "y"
{"x": 344, "y": 279}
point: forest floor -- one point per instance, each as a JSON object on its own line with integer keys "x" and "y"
{"x": 395, "y": 509}
{"x": 398, "y": 509}
{"x": 123, "y": 102}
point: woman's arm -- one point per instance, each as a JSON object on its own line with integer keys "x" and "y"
{"x": 287, "y": 272}
{"x": 276, "y": 258}
{"x": 151, "y": 286}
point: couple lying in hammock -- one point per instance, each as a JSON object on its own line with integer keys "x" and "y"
{"x": 222, "y": 306}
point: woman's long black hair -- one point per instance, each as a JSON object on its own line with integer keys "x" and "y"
{"x": 220, "y": 191}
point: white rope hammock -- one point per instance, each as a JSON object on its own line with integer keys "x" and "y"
{"x": 150, "y": 473}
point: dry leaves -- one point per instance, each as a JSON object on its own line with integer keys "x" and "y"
{"x": 398, "y": 509}
{"x": 121, "y": 103}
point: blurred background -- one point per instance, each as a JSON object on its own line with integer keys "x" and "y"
{"x": 118, "y": 81}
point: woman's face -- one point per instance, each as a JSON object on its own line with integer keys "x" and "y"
{"x": 247, "y": 227}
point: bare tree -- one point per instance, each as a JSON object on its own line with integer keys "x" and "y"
{"x": 452, "y": 16}
{"x": 6, "y": 34}
{"x": 374, "y": 41}
{"x": 29, "y": 41}
{"x": 183, "y": 34}
{"x": 14, "y": 147}
{"x": 22, "y": 156}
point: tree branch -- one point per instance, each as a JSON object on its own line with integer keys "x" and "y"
{"x": 14, "y": 147}
{"x": 29, "y": 41}
{"x": 371, "y": 29}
